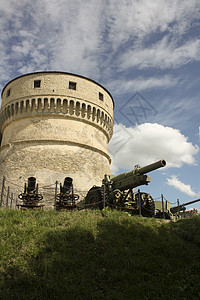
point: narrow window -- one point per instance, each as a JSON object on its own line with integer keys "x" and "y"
{"x": 8, "y": 93}
{"x": 72, "y": 85}
{"x": 37, "y": 83}
{"x": 101, "y": 96}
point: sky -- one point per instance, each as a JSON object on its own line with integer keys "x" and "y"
{"x": 146, "y": 53}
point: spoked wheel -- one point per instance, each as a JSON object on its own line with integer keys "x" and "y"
{"x": 148, "y": 209}
{"x": 93, "y": 199}
{"x": 148, "y": 205}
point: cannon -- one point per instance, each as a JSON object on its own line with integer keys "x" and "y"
{"x": 181, "y": 207}
{"x": 165, "y": 210}
{"x": 117, "y": 191}
{"x": 66, "y": 199}
{"x": 30, "y": 197}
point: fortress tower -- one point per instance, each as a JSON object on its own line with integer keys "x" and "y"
{"x": 53, "y": 125}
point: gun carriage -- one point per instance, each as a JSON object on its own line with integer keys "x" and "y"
{"x": 30, "y": 198}
{"x": 117, "y": 191}
{"x": 66, "y": 199}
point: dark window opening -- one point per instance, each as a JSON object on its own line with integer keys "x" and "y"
{"x": 8, "y": 93}
{"x": 0, "y": 138}
{"x": 72, "y": 85}
{"x": 37, "y": 83}
{"x": 101, "y": 96}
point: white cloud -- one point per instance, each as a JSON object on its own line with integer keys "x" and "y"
{"x": 184, "y": 188}
{"x": 174, "y": 110}
{"x": 147, "y": 143}
{"x": 142, "y": 83}
{"x": 163, "y": 54}
{"x": 90, "y": 37}
{"x": 70, "y": 33}
{"x": 136, "y": 20}
{"x": 79, "y": 37}
{"x": 98, "y": 38}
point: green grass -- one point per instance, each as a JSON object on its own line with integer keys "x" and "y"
{"x": 95, "y": 255}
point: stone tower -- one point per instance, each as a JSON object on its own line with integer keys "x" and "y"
{"x": 53, "y": 125}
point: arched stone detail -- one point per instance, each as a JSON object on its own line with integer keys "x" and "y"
{"x": 71, "y": 107}
{"x": 105, "y": 120}
{"x": 16, "y": 108}
{"x": 77, "y": 109}
{"x": 65, "y": 106}
{"x": 52, "y": 105}
{"x": 45, "y": 105}
{"x": 58, "y": 105}
{"x": 28, "y": 108}
{"x": 89, "y": 111}
{"x": 62, "y": 107}
{"x": 33, "y": 105}
{"x": 83, "y": 110}
{"x": 21, "y": 109}
{"x": 39, "y": 105}
{"x": 102, "y": 117}
{"x": 98, "y": 115}
{"x": 93, "y": 114}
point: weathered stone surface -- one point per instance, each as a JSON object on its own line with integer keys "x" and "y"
{"x": 53, "y": 132}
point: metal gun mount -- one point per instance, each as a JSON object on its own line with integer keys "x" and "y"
{"x": 30, "y": 197}
{"x": 117, "y": 191}
{"x": 66, "y": 199}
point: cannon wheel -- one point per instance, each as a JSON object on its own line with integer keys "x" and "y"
{"x": 148, "y": 205}
{"x": 93, "y": 199}
{"x": 148, "y": 209}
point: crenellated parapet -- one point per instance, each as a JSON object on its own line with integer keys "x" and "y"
{"x": 60, "y": 107}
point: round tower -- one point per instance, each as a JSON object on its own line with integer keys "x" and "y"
{"x": 53, "y": 125}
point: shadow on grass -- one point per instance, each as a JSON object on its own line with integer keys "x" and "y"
{"x": 123, "y": 261}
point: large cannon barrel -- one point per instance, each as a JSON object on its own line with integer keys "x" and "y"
{"x": 31, "y": 184}
{"x": 149, "y": 168}
{"x": 68, "y": 182}
{"x": 67, "y": 185}
{"x": 181, "y": 207}
{"x": 136, "y": 177}
{"x": 140, "y": 171}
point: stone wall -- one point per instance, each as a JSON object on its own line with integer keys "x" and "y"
{"x": 52, "y": 132}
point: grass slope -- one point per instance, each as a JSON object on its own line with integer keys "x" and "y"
{"x": 95, "y": 255}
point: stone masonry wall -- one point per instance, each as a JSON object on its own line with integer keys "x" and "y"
{"x": 53, "y": 132}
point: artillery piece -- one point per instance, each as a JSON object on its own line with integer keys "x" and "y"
{"x": 30, "y": 197}
{"x": 166, "y": 211}
{"x": 117, "y": 191}
{"x": 181, "y": 207}
{"x": 66, "y": 199}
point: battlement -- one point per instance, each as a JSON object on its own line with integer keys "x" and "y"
{"x": 57, "y": 108}
{"x": 50, "y": 84}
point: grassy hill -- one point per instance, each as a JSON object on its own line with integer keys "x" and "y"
{"x": 95, "y": 255}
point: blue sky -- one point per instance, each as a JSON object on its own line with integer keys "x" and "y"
{"x": 146, "y": 53}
